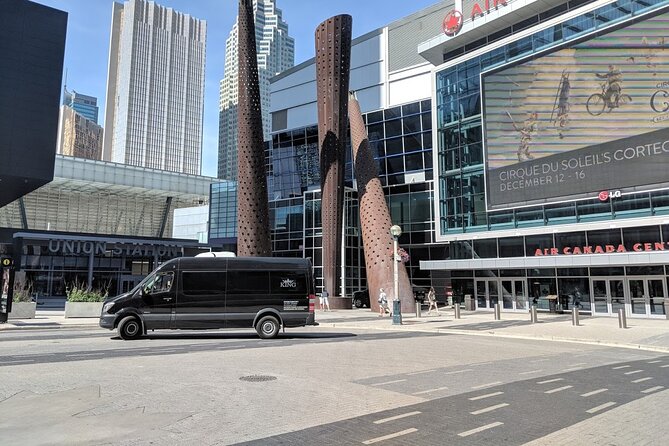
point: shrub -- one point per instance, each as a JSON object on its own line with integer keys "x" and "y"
{"x": 22, "y": 291}
{"x": 80, "y": 293}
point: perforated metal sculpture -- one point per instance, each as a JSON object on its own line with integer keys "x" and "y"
{"x": 252, "y": 205}
{"x": 333, "y": 54}
{"x": 375, "y": 219}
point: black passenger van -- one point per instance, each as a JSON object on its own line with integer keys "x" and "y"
{"x": 264, "y": 293}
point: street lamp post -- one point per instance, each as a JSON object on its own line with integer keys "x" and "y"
{"x": 396, "y": 231}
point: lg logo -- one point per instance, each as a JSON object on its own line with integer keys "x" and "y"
{"x": 605, "y": 195}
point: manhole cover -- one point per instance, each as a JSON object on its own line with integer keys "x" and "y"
{"x": 258, "y": 378}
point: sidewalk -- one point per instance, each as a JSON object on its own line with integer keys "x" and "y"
{"x": 643, "y": 334}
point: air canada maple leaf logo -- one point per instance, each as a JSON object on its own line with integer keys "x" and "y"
{"x": 452, "y": 23}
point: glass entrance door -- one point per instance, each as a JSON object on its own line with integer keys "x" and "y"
{"x": 608, "y": 295}
{"x": 514, "y": 295}
{"x": 647, "y": 296}
{"x": 487, "y": 293}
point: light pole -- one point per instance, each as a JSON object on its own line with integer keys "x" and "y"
{"x": 395, "y": 231}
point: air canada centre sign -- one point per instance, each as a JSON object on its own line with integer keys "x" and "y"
{"x": 602, "y": 249}
{"x": 453, "y": 21}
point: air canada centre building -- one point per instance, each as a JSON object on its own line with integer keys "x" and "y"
{"x": 551, "y": 133}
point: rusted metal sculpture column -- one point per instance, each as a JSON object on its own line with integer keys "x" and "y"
{"x": 333, "y": 54}
{"x": 375, "y": 220}
{"x": 252, "y": 206}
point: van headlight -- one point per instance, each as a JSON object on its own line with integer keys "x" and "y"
{"x": 107, "y": 307}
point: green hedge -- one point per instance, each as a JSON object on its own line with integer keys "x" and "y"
{"x": 78, "y": 293}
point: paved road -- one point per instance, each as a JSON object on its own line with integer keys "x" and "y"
{"x": 318, "y": 386}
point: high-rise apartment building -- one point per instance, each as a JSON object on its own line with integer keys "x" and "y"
{"x": 276, "y": 53}
{"x": 86, "y": 106}
{"x": 155, "y": 88}
{"x": 78, "y": 136}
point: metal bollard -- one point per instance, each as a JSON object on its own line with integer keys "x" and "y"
{"x": 456, "y": 308}
{"x": 533, "y": 314}
{"x": 397, "y": 312}
{"x": 418, "y": 308}
{"x": 622, "y": 318}
{"x": 498, "y": 314}
{"x": 574, "y": 317}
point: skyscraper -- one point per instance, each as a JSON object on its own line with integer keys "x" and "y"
{"x": 276, "y": 53}
{"x": 155, "y": 88}
{"x": 86, "y": 106}
{"x": 78, "y": 136}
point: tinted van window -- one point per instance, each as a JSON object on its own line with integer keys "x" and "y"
{"x": 248, "y": 282}
{"x": 202, "y": 283}
{"x": 161, "y": 283}
{"x": 286, "y": 282}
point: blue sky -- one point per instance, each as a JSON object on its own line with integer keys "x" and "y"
{"x": 89, "y": 23}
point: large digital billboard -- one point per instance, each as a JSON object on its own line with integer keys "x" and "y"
{"x": 592, "y": 117}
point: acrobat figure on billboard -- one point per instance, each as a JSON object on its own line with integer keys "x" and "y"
{"x": 560, "y": 115}
{"x": 527, "y": 131}
{"x": 611, "y": 96}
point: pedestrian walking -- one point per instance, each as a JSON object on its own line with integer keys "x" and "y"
{"x": 325, "y": 303}
{"x": 432, "y": 299}
{"x": 383, "y": 302}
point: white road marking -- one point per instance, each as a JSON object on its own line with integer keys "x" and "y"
{"x": 640, "y": 380}
{"x": 389, "y": 382}
{"x": 487, "y": 395}
{"x": 397, "y": 417}
{"x": 487, "y": 385}
{"x": 422, "y": 392}
{"x": 459, "y": 371}
{"x": 559, "y": 389}
{"x": 12, "y": 361}
{"x": 577, "y": 364}
{"x": 84, "y": 354}
{"x": 621, "y": 367}
{"x": 633, "y": 372}
{"x": 602, "y": 407}
{"x": 664, "y": 366}
{"x": 480, "y": 429}
{"x": 489, "y": 409}
{"x": 571, "y": 369}
{"x": 388, "y": 437}
{"x": 594, "y": 392}
{"x": 530, "y": 372}
{"x": 652, "y": 389}
{"x": 550, "y": 381}
{"x": 539, "y": 360}
{"x": 421, "y": 372}
{"x": 654, "y": 362}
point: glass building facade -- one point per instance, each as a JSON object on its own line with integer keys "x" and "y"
{"x": 459, "y": 128}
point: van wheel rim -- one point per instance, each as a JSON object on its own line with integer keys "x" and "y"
{"x": 268, "y": 328}
{"x": 131, "y": 328}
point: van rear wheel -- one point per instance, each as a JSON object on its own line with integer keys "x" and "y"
{"x": 129, "y": 328}
{"x": 268, "y": 327}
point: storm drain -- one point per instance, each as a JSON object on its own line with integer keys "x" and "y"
{"x": 257, "y": 378}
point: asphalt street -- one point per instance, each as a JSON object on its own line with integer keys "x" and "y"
{"x": 86, "y": 386}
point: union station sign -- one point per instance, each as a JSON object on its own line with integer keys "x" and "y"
{"x": 602, "y": 249}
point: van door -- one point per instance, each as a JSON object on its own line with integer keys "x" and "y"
{"x": 201, "y": 301}
{"x": 158, "y": 298}
{"x": 247, "y": 293}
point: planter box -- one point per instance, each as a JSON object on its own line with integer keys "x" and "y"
{"x": 23, "y": 310}
{"x": 83, "y": 309}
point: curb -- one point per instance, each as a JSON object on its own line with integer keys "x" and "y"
{"x": 12, "y": 327}
{"x": 494, "y": 334}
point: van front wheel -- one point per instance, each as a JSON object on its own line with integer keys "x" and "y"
{"x": 129, "y": 328}
{"x": 268, "y": 327}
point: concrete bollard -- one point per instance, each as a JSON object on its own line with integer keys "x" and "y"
{"x": 574, "y": 317}
{"x": 418, "y": 309}
{"x": 498, "y": 314}
{"x": 533, "y": 314}
{"x": 456, "y": 309}
{"x": 622, "y": 318}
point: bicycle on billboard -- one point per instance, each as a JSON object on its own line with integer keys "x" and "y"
{"x": 611, "y": 95}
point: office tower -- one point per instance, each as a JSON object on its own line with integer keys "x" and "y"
{"x": 78, "y": 136}
{"x": 86, "y": 106}
{"x": 276, "y": 53}
{"x": 155, "y": 88}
